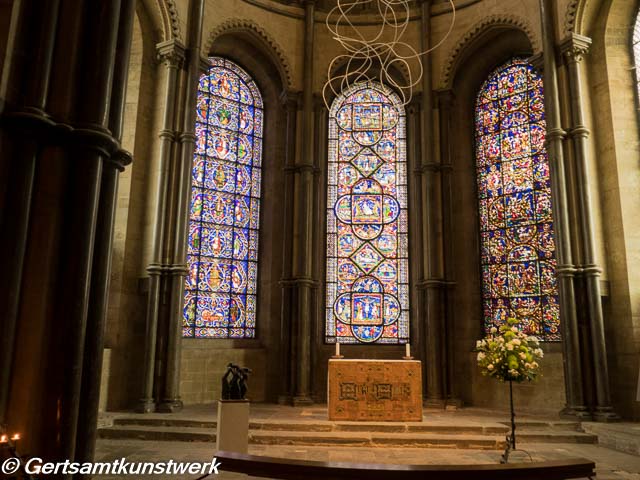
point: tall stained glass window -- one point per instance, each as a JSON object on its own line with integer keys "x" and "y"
{"x": 516, "y": 227}
{"x": 220, "y": 290}
{"x": 367, "y": 265}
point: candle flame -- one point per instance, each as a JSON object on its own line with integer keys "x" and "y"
{"x": 16, "y": 436}
{"x": 4, "y": 439}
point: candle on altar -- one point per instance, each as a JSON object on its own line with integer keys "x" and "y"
{"x": 337, "y": 349}
{"x": 16, "y": 436}
{"x": 407, "y": 350}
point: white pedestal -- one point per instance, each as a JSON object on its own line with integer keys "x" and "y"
{"x": 233, "y": 426}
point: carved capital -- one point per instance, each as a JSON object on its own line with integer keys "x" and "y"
{"x": 575, "y": 47}
{"x": 171, "y": 53}
{"x": 444, "y": 98}
{"x": 204, "y": 64}
{"x": 537, "y": 61}
{"x": 289, "y": 99}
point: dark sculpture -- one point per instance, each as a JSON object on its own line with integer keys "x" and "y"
{"x": 234, "y": 382}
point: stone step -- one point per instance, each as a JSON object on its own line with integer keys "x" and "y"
{"x": 424, "y": 439}
{"x": 158, "y": 433}
{"x": 498, "y": 428}
{"x": 164, "y": 422}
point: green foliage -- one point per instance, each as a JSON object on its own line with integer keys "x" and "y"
{"x": 508, "y": 354}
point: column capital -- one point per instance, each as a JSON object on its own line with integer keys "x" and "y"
{"x": 172, "y": 53}
{"x": 575, "y": 47}
{"x": 290, "y": 99}
{"x": 415, "y": 104}
{"x": 204, "y": 64}
{"x": 445, "y": 97}
{"x": 537, "y": 61}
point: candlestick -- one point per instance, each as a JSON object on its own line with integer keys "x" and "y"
{"x": 407, "y": 350}
{"x": 337, "y": 349}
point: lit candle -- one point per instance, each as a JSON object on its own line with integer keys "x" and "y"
{"x": 407, "y": 350}
{"x": 4, "y": 439}
{"x": 337, "y": 349}
{"x": 16, "y": 436}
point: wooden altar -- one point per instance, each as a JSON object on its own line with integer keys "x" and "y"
{"x": 370, "y": 390}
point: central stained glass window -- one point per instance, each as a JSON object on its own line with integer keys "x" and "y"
{"x": 514, "y": 189}
{"x": 222, "y": 255}
{"x": 367, "y": 244}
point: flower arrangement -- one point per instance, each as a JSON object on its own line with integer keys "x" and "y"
{"x": 508, "y": 354}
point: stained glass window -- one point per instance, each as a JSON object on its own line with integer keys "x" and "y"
{"x": 220, "y": 290}
{"x": 516, "y": 227}
{"x": 636, "y": 50}
{"x": 367, "y": 267}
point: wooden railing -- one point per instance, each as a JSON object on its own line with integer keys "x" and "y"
{"x": 288, "y": 469}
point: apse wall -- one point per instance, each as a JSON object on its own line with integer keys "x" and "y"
{"x": 266, "y": 38}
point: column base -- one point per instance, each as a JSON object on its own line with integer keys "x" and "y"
{"x": 605, "y": 414}
{"x": 576, "y": 413}
{"x": 302, "y": 401}
{"x": 170, "y": 406}
{"x": 434, "y": 403}
{"x": 285, "y": 400}
{"x": 145, "y": 405}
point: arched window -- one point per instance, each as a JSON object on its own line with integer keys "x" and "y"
{"x": 220, "y": 290}
{"x": 367, "y": 265}
{"x": 636, "y": 51}
{"x": 516, "y": 227}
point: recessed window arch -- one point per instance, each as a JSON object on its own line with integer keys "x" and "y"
{"x": 367, "y": 274}
{"x": 222, "y": 256}
{"x": 514, "y": 194}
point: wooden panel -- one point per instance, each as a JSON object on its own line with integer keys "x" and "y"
{"x": 367, "y": 390}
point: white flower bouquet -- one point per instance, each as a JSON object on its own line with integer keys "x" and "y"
{"x": 508, "y": 354}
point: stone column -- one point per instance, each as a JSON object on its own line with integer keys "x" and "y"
{"x": 290, "y": 102}
{"x": 94, "y": 344}
{"x": 170, "y": 398}
{"x": 303, "y": 227}
{"x": 445, "y": 105}
{"x": 70, "y": 131}
{"x": 415, "y": 205}
{"x": 431, "y": 284}
{"x": 172, "y": 54}
{"x": 33, "y": 44}
{"x": 575, "y": 406}
{"x": 574, "y": 48}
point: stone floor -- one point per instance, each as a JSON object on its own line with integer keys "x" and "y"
{"x": 610, "y": 464}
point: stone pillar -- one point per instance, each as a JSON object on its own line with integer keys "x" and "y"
{"x": 290, "y": 102}
{"x": 172, "y": 54}
{"x": 304, "y": 284}
{"x": 415, "y": 204}
{"x": 61, "y": 135}
{"x": 574, "y": 48}
{"x": 445, "y": 105}
{"x": 94, "y": 344}
{"x": 575, "y": 406}
{"x": 170, "y": 398}
{"x": 33, "y": 43}
{"x": 431, "y": 284}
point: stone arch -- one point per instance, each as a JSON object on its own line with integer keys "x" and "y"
{"x": 170, "y": 19}
{"x": 571, "y": 16}
{"x": 399, "y": 72}
{"x": 474, "y": 36}
{"x": 259, "y": 35}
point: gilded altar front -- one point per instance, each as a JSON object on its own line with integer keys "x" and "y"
{"x": 375, "y": 390}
